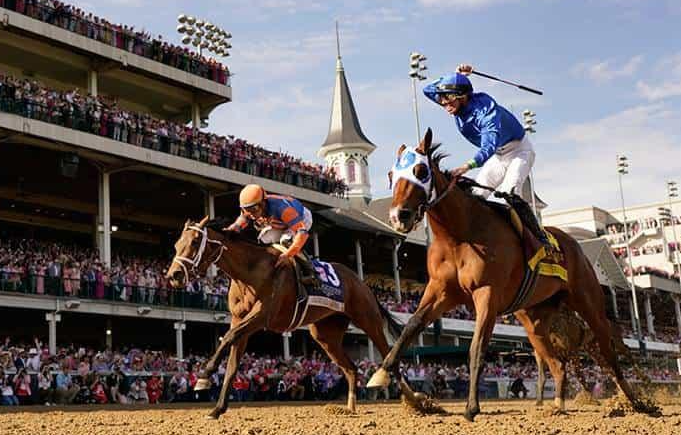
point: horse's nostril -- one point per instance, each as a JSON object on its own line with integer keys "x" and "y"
{"x": 404, "y": 215}
{"x": 177, "y": 275}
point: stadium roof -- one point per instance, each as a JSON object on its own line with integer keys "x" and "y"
{"x": 601, "y": 257}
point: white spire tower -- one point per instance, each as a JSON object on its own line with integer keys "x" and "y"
{"x": 346, "y": 148}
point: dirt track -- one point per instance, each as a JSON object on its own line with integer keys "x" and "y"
{"x": 498, "y": 418}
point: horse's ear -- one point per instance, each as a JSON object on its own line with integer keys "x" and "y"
{"x": 426, "y": 142}
{"x": 204, "y": 221}
{"x": 401, "y": 149}
{"x": 187, "y": 223}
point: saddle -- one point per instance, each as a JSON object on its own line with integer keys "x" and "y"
{"x": 541, "y": 250}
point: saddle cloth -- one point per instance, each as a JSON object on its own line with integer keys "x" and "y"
{"x": 330, "y": 293}
{"x": 537, "y": 260}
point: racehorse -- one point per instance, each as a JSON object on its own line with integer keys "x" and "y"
{"x": 264, "y": 297}
{"x": 476, "y": 259}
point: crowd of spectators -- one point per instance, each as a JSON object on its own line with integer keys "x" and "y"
{"x": 38, "y": 267}
{"x": 80, "y": 375}
{"x": 124, "y": 37}
{"x": 103, "y": 116}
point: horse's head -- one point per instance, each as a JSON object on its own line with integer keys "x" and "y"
{"x": 195, "y": 252}
{"x": 411, "y": 178}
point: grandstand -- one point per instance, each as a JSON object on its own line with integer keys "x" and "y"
{"x": 104, "y": 158}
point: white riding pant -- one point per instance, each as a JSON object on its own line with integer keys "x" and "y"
{"x": 507, "y": 169}
{"x": 269, "y": 235}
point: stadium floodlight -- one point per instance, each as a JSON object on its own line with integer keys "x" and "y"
{"x": 206, "y": 35}
{"x": 622, "y": 165}
{"x": 622, "y": 170}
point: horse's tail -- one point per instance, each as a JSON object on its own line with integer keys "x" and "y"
{"x": 394, "y": 326}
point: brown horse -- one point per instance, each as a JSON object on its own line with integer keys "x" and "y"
{"x": 476, "y": 259}
{"x": 263, "y": 297}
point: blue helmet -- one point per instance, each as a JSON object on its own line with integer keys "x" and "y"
{"x": 457, "y": 84}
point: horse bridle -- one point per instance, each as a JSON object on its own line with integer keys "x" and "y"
{"x": 189, "y": 265}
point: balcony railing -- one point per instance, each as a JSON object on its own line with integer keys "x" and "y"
{"x": 43, "y": 285}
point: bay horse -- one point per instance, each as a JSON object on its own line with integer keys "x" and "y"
{"x": 263, "y": 297}
{"x": 476, "y": 259}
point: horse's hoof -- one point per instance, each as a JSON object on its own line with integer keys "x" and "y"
{"x": 202, "y": 384}
{"x": 210, "y": 417}
{"x": 470, "y": 414}
{"x": 380, "y": 379}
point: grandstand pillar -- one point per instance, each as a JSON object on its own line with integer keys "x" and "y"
{"x": 104, "y": 219}
{"x": 209, "y": 210}
{"x": 649, "y": 314}
{"x": 358, "y": 256}
{"x": 179, "y": 344}
{"x": 92, "y": 82}
{"x": 396, "y": 271}
{"x": 632, "y": 315}
{"x": 421, "y": 339}
{"x": 52, "y": 319}
{"x": 372, "y": 354}
{"x": 196, "y": 115}
{"x": 315, "y": 244}
{"x": 286, "y": 336}
{"x": 456, "y": 341}
{"x": 677, "y": 310}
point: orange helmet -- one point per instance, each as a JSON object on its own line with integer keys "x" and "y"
{"x": 251, "y": 195}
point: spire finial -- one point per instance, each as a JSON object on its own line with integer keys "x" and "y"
{"x": 337, "y": 41}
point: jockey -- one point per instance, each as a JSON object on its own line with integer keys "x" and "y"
{"x": 280, "y": 219}
{"x": 505, "y": 155}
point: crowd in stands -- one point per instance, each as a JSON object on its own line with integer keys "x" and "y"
{"x": 102, "y": 116}
{"x": 658, "y": 248}
{"x": 122, "y": 36}
{"x": 79, "y": 375}
{"x": 36, "y": 267}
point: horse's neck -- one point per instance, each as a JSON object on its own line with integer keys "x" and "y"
{"x": 240, "y": 261}
{"x": 451, "y": 217}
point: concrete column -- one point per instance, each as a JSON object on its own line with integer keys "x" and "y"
{"x": 396, "y": 270}
{"x": 421, "y": 339}
{"x": 52, "y": 319}
{"x": 104, "y": 221}
{"x": 109, "y": 334}
{"x": 286, "y": 336}
{"x": 649, "y": 314}
{"x": 632, "y": 315}
{"x": 209, "y": 210}
{"x": 315, "y": 244}
{"x": 456, "y": 341}
{"x": 358, "y": 256}
{"x": 372, "y": 353}
{"x": 196, "y": 116}
{"x": 179, "y": 343}
{"x": 677, "y": 310}
{"x": 92, "y": 82}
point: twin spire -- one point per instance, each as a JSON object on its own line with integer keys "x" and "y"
{"x": 344, "y": 128}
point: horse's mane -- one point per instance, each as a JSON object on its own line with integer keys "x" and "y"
{"x": 218, "y": 225}
{"x": 463, "y": 183}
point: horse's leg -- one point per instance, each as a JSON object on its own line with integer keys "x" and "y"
{"x": 236, "y": 351}
{"x": 365, "y": 318}
{"x": 541, "y": 379}
{"x": 589, "y": 302}
{"x": 485, "y": 318}
{"x": 252, "y": 322}
{"x": 535, "y": 323}
{"x": 433, "y": 304}
{"x": 329, "y": 332}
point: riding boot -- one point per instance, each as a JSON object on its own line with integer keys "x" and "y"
{"x": 307, "y": 272}
{"x": 528, "y": 218}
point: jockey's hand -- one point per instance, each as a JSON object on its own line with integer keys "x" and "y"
{"x": 457, "y": 172}
{"x": 282, "y": 260}
{"x": 233, "y": 227}
{"x": 464, "y": 69}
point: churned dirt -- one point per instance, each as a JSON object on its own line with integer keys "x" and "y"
{"x": 497, "y": 418}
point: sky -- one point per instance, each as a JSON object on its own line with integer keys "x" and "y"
{"x": 610, "y": 71}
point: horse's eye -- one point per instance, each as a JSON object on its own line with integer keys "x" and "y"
{"x": 422, "y": 173}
